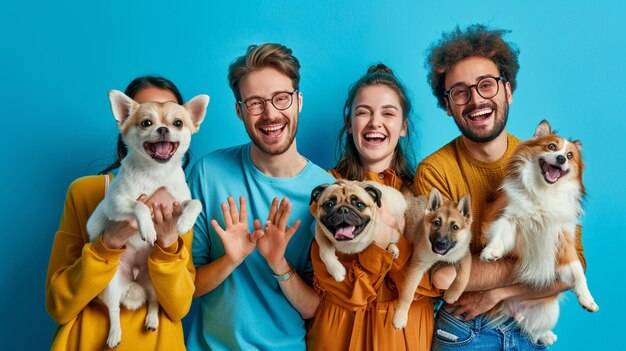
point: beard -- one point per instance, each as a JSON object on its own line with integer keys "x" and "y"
{"x": 273, "y": 149}
{"x": 501, "y": 117}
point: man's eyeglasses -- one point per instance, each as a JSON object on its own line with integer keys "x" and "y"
{"x": 487, "y": 88}
{"x": 281, "y": 101}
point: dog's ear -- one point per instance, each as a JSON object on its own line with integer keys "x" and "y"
{"x": 465, "y": 207}
{"x": 578, "y": 144}
{"x": 375, "y": 193}
{"x": 197, "y": 108}
{"x": 121, "y": 105}
{"x": 434, "y": 200}
{"x": 543, "y": 129}
{"x": 315, "y": 194}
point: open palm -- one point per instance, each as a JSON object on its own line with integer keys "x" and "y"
{"x": 273, "y": 244}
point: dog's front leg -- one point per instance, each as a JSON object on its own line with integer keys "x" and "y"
{"x": 327, "y": 255}
{"x": 460, "y": 282}
{"x": 415, "y": 272}
{"x": 144, "y": 222}
{"x": 501, "y": 235}
{"x": 190, "y": 211}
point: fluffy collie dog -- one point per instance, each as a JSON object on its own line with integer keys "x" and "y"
{"x": 534, "y": 219}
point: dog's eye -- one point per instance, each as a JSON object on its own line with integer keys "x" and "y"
{"x": 178, "y": 123}
{"x": 328, "y": 205}
{"x": 146, "y": 123}
{"x": 455, "y": 227}
{"x": 552, "y": 146}
{"x": 359, "y": 205}
{"x": 570, "y": 155}
{"x": 437, "y": 223}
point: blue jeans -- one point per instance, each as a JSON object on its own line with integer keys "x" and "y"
{"x": 479, "y": 333}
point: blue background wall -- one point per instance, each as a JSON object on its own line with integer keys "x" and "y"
{"x": 59, "y": 58}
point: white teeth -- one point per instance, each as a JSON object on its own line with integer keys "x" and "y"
{"x": 374, "y": 136}
{"x": 273, "y": 128}
{"x": 480, "y": 113}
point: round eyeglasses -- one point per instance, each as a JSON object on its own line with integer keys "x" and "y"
{"x": 486, "y": 87}
{"x": 281, "y": 101}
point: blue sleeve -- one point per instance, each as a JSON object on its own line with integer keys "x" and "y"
{"x": 201, "y": 246}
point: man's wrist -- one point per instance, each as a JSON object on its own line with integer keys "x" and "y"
{"x": 287, "y": 275}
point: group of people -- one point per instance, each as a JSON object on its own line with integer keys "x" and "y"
{"x": 251, "y": 259}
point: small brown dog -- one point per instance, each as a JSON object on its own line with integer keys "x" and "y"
{"x": 439, "y": 231}
{"x": 348, "y": 219}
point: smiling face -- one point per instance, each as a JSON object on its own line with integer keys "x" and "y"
{"x": 376, "y": 124}
{"x": 480, "y": 120}
{"x": 273, "y": 131}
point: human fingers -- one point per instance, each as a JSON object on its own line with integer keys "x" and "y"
{"x": 257, "y": 225}
{"x": 256, "y": 236}
{"x": 243, "y": 212}
{"x": 177, "y": 209}
{"x": 227, "y": 219}
{"x": 283, "y": 214}
{"x": 293, "y": 229}
{"x": 234, "y": 214}
{"x": 157, "y": 214}
{"x": 142, "y": 198}
{"x": 166, "y": 212}
{"x": 273, "y": 210}
{"x": 220, "y": 232}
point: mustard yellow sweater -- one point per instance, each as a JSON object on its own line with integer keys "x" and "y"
{"x": 79, "y": 270}
{"x": 454, "y": 172}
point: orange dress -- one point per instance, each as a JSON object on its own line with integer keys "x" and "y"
{"x": 356, "y": 314}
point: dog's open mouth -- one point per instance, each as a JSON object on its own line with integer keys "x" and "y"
{"x": 550, "y": 172}
{"x": 161, "y": 151}
{"x": 345, "y": 231}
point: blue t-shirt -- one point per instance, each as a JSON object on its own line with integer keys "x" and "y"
{"x": 248, "y": 310}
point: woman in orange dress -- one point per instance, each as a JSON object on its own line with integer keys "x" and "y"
{"x": 356, "y": 314}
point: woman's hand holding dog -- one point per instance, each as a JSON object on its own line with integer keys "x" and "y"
{"x": 273, "y": 245}
{"x": 236, "y": 238}
{"x": 384, "y": 238}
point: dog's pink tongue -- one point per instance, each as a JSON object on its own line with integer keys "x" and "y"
{"x": 162, "y": 149}
{"x": 345, "y": 233}
{"x": 552, "y": 173}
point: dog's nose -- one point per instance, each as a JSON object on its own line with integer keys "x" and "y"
{"x": 560, "y": 159}
{"x": 163, "y": 130}
{"x": 441, "y": 241}
{"x": 343, "y": 210}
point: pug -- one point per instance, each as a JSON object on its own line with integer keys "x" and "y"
{"x": 348, "y": 219}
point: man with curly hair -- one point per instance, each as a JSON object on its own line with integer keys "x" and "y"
{"x": 472, "y": 73}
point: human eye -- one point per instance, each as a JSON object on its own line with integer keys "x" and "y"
{"x": 460, "y": 92}
{"x": 253, "y": 103}
{"x": 361, "y": 112}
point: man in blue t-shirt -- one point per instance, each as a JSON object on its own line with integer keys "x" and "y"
{"x": 250, "y": 274}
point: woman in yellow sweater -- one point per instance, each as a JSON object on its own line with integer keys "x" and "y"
{"x": 79, "y": 270}
{"x": 356, "y": 314}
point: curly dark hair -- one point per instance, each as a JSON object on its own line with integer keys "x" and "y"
{"x": 476, "y": 40}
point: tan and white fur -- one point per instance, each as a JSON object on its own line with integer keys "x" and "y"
{"x": 440, "y": 230}
{"x": 534, "y": 220}
{"x": 157, "y": 136}
{"x": 348, "y": 219}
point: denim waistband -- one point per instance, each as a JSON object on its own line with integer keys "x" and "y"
{"x": 482, "y": 321}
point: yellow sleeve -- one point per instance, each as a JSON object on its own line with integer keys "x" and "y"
{"x": 173, "y": 274}
{"x": 78, "y": 271}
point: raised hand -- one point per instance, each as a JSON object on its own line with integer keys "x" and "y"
{"x": 236, "y": 238}
{"x": 273, "y": 244}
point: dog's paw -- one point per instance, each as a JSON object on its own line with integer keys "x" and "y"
{"x": 399, "y": 319}
{"x": 491, "y": 253}
{"x": 548, "y": 338}
{"x": 450, "y": 296}
{"x": 152, "y": 321}
{"x": 148, "y": 235}
{"x": 185, "y": 224}
{"x": 115, "y": 337}
{"x": 338, "y": 272}
{"x": 394, "y": 250}
{"x": 589, "y": 304}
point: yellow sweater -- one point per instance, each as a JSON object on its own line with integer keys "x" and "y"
{"x": 454, "y": 172}
{"x": 79, "y": 270}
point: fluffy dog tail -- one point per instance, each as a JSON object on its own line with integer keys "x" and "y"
{"x": 135, "y": 296}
